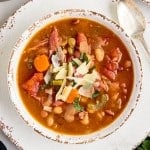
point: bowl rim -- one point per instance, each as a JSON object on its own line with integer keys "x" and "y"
{"x": 31, "y": 31}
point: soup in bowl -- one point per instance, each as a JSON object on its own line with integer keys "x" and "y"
{"x": 74, "y": 76}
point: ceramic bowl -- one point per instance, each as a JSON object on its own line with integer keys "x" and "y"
{"x": 14, "y": 61}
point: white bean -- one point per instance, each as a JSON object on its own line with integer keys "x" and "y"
{"x": 69, "y": 118}
{"x": 85, "y": 120}
{"x": 44, "y": 114}
{"x": 50, "y": 120}
{"x": 69, "y": 113}
{"x": 58, "y": 110}
{"x": 99, "y": 53}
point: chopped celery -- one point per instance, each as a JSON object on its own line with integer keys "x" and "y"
{"x": 84, "y": 58}
{"x": 77, "y": 61}
{"x": 70, "y": 69}
{"x": 61, "y": 74}
{"x": 77, "y": 105}
{"x": 57, "y": 82}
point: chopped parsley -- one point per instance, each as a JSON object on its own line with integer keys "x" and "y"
{"x": 95, "y": 94}
{"x": 84, "y": 58}
{"x": 145, "y": 145}
{"x": 74, "y": 63}
{"x": 77, "y": 105}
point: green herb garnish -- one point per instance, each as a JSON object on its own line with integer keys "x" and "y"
{"x": 84, "y": 58}
{"x": 91, "y": 69}
{"x": 73, "y": 83}
{"x": 77, "y": 105}
{"x": 42, "y": 87}
{"x": 145, "y": 145}
{"x": 74, "y": 63}
{"x": 100, "y": 103}
{"x": 95, "y": 94}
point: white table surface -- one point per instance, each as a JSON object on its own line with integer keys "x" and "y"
{"x": 7, "y": 8}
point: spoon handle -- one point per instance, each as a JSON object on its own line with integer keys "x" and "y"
{"x": 142, "y": 40}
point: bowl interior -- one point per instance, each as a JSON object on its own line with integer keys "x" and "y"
{"x": 14, "y": 61}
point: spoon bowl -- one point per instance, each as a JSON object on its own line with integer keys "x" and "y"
{"x": 132, "y": 21}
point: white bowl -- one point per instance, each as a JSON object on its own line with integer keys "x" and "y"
{"x": 13, "y": 66}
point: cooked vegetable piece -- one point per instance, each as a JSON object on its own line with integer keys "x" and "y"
{"x": 48, "y": 76}
{"x": 70, "y": 69}
{"x": 100, "y": 103}
{"x": 77, "y": 61}
{"x": 65, "y": 93}
{"x": 77, "y": 106}
{"x": 41, "y": 63}
{"x": 74, "y": 63}
{"x": 95, "y": 94}
{"x": 57, "y": 82}
{"x": 61, "y": 74}
{"x": 57, "y": 69}
{"x": 84, "y": 58}
{"x": 60, "y": 90}
{"x": 32, "y": 85}
{"x": 73, "y": 94}
{"x": 86, "y": 90}
{"x": 91, "y": 108}
{"x": 82, "y": 69}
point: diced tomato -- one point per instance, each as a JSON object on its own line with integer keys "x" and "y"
{"x": 109, "y": 74}
{"x": 83, "y": 43}
{"x": 54, "y": 40}
{"x": 32, "y": 85}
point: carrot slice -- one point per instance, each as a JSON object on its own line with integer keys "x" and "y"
{"x": 41, "y": 63}
{"x": 73, "y": 94}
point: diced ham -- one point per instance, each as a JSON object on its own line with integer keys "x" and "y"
{"x": 32, "y": 85}
{"x": 58, "y": 103}
{"x": 112, "y": 65}
{"x": 54, "y": 40}
{"x": 103, "y": 86}
{"x": 116, "y": 55}
{"x": 99, "y": 42}
{"x": 77, "y": 54}
{"x": 109, "y": 112}
{"x": 83, "y": 43}
{"x": 109, "y": 74}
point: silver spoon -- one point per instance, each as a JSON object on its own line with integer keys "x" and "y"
{"x": 132, "y": 21}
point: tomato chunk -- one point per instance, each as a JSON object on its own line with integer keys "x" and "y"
{"x": 32, "y": 85}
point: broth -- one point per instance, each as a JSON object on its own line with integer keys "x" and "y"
{"x": 93, "y": 63}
